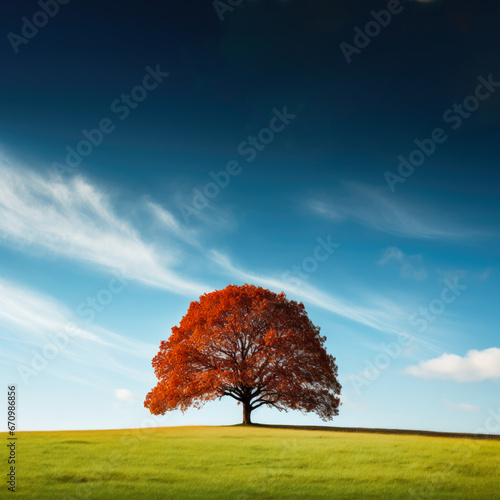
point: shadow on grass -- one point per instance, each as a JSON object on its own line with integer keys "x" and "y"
{"x": 372, "y": 431}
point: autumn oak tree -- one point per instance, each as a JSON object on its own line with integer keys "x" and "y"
{"x": 251, "y": 344}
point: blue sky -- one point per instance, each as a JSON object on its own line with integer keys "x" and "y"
{"x": 249, "y": 150}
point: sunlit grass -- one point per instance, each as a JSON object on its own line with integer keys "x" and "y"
{"x": 252, "y": 462}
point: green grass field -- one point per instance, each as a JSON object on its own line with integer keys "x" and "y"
{"x": 252, "y": 462}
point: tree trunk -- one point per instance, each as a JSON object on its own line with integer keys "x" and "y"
{"x": 247, "y": 410}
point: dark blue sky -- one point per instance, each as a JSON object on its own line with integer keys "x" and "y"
{"x": 226, "y": 76}
{"x": 329, "y": 170}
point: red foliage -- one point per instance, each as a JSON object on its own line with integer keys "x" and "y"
{"x": 251, "y": 344}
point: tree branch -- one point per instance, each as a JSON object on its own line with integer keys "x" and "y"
{"x": 229, "y": 393}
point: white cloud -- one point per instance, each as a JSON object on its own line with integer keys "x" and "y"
{"x": 35, "y": 315}
{"x": 168, "y": 221}
{"x": 486, "y": 274}
{"x": 446, "y": 276}
{"x": 306, "y": 292}
{"x": 125, "y": 395}
{"x": 31, "y": 322}
{"x": 474, "y": 366}
{"x": 460, "y": 406}
{"x": 372, "y": 207}
{"x": 326, "y": 210}
{"x": 195, "y": 210}
{"x": 347, "y": 402}
{"x": 410, "y": 266}
{"x": 380, "y": 314}
{"x": 71, "y": 218}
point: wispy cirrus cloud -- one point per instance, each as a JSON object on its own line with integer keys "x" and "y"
{"x": 460, "y": 406}
{"x": 410, "y": 266}
{"x": 73, "y": 219}
{"x": 125, "y": 395}
{"x": 377, "y": 312}
{"x": 307, "y": 292}
{"x": 30, "y": 321}
{"x": 372, "y": 207}
{"x": 167, "y": 220}
{"x": 35, "y": 316}
{"x": 473, "y": 367}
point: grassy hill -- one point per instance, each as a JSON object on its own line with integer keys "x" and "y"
{"x": 247, "y": 463}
